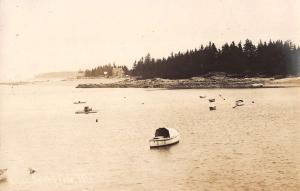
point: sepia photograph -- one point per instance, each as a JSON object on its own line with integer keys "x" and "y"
{"x": 145, "y": 95}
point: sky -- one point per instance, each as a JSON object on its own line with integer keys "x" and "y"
{"x": 38, "y": 36}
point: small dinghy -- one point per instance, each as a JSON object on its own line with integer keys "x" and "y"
{"x": 86, "y": 110}
{"x": 238, "y": 103}
{"x": 202, "y": 97}
{"x": 257, "y": 85}
{"x": 3, "y": 174}
{"x": 213, "y": 108}
{"x": 79, "y": 102}
{"x": 211, "y": 100}
{"x": 164, "y": 137}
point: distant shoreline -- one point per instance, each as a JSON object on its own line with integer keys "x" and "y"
{"x": 207, "y": 82}
{"x": 199, "y": 83}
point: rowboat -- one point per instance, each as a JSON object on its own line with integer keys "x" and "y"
{"x": 238, "y": 103}
{"x": 211, "y": 108}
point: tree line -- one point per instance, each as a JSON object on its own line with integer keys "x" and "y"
{"x": 264, "y": 59}
{"x": 106, "y": 70}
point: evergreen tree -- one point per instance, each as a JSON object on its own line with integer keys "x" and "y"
{"x": 272, "y": 58}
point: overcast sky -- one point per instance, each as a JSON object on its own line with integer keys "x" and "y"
{"x": 58, "y": 35}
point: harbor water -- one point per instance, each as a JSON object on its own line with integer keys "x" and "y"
{"x": 252, "y": 147}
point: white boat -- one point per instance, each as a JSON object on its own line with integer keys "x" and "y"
{"x": 164, "y": 137}
{"x": 3, "y": 174}
{"x": 257, "y": 85}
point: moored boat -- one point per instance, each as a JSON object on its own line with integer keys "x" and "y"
{"x": 212, "y": 108}
{"x": 259, "y": 85}
{"x": 86, "y": 110}
{"x": 164, "y": 137}
{"x": 239, "y": 102}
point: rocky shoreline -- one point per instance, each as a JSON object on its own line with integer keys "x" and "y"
{"x": 192, "y": 83}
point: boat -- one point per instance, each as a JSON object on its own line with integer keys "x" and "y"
{"x": 3, "y": 174}
{"x": 239, "y": 102}
{"x": 86, "y": 110}
{"x": 211, "y": 100}
{"x": 202, "y": 96}
{"x": 212, "y": 108}
{"x": 164, "y": 137}
{"x": 79, "y": 102}
{"x": 258, "y": 85}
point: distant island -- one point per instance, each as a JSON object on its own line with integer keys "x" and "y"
{"x": 234, "y": 65}
{"x": 60, "y": 75}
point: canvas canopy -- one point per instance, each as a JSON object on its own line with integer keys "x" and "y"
{"x": 162, "y": 132}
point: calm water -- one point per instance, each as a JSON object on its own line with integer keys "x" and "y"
{"x": 254, "y": 147}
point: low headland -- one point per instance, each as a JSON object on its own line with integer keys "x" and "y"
{"x": 235, "y": 65}
{"x": 214, "y": 81}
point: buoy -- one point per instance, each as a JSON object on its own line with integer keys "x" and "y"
{"x": 31, "y": 170}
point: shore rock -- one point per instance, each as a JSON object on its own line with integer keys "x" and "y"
{"x": 192, "y": 83}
